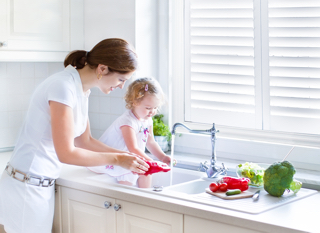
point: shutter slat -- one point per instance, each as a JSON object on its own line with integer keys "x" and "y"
{"x": 294, "y": 51}
{"x": 310, "y": 62}
{"x": 222, "y": 106}
{"x": 219, "y": 31}
{"x": 222, "y": 40}
{"x": 294, "y": 82}
{"x": 313, "y": 93}
{"x": 223, "y": 50}
{"x": 295, "y": 72}
{"x": 223, "y": 88}
{"x": 295, "y": 102}
{"x": 293, "y": 3}
{"x": 223, "y": 69}
{"x": 221, "y": 13}
{"x": 210, "y": 4}
{"x": 296, "y": 112}
{"x": 226, "y": 60}
{"x": 223, "y": 97}
{"x": 222, "y": 78}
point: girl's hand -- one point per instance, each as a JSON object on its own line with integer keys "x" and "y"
{"x": 167, "y": 159}
{"x": 132, "y": 162}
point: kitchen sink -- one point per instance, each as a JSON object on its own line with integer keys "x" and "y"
{"x": 179, "y": 175}
{"x": 191, "y": 187}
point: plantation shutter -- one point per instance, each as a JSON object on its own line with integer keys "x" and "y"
{"x": 294, "y": 66}
{"x": 220, "y": 63}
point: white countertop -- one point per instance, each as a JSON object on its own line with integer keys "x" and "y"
{"x": 297, "y": 216}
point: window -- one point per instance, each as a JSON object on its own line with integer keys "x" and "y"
{"x": 250, "y": 64}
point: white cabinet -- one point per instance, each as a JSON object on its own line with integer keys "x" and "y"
{"x": 83, "y": 212}
{"x": 194, "y": 225}
{"x": 36, "y": 30}
{"x": 135, "y": 218}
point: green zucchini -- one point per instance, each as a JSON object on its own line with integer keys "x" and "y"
{"x": 233, "y": 192}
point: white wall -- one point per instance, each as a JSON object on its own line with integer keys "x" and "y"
{"x": 17, "y": 83}
{"x": 135, "y": 21}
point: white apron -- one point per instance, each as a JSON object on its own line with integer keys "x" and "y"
{"x": 26, "y": 208}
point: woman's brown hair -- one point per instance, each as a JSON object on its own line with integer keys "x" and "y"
{"x": 115, "y": 53}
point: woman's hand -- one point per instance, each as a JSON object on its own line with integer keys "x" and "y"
{"x": 132, "y": 162}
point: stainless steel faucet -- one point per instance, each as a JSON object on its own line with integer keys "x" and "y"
{"x": 211, "y": 169}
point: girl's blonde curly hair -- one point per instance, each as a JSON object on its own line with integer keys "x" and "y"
{"x": 139, "y": 87}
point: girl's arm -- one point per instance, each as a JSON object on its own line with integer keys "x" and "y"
{"x": 67, "y": 152}
{"x": 130, "y": 139}
{"x": 155, "y": 149}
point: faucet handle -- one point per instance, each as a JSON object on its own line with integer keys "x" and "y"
{"x": 203, "y": 166}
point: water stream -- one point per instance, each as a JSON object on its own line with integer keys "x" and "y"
{"x": 171, "y": 164}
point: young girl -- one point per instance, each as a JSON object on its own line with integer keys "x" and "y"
{"x": 133, "y": 130}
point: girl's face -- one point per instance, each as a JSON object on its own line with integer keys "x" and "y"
{"x": 147, "y": 107}
{"x": 112, "y": 80}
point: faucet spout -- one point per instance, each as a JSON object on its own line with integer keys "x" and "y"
{"x": 211, "y": 169}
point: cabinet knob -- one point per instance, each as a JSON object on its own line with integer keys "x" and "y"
{"x": 3, "y": 44}
{"x": 107, "y": 204}
{"x": 116, "y": 207}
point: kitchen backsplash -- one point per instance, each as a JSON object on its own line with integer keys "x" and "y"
{"x": 17, "y": 83}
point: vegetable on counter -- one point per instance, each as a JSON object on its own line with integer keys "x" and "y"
{"x": 223, "y": 187}
{"x": 252, "y": 171}
{"x": 278, "y": 178}
{"x": 233, "y": 192}
{"x": 214, "y": 187}
{"x": 236, "y": 183}
{"x": 295, "y": 186}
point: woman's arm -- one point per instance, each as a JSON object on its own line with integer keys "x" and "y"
{"x": 64, "y": 143}
{"x": 155, "y": 149}
{"x": 86, "y": 141}
{"x": 130, "y": 139}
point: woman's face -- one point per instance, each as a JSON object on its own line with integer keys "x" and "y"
{"x": 113, "y": 80}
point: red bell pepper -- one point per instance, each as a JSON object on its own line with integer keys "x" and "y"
{"x": 236, "y": 183}
{"x": 156, "y": 166}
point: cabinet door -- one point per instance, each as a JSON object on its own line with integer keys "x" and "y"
{"x": 40, "y": 30}
{"x": 194, "y": 225}
{"x": 136, "y": 218}
{"x": 37, "y": 25}
{"x": 84, "y": 212}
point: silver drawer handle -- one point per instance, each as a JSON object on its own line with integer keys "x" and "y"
{"x": 107, "y": 204}
{"x": 3, "y": 44}
{"x": 116, "y": 207}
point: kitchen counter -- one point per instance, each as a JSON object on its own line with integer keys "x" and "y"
{"x": 297, "y": 216}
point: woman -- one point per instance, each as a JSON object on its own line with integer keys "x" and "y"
{"x": 57, "y": 131}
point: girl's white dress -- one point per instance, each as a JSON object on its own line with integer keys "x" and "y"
{"x": 113, "y": 138}
{"x": 25, "y": 208}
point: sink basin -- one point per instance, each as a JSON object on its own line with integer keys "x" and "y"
{"x": 191, "y": 187}
{"x": 179, "y": 176}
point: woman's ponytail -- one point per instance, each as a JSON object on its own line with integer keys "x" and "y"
{"x": 76, "y": 58}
